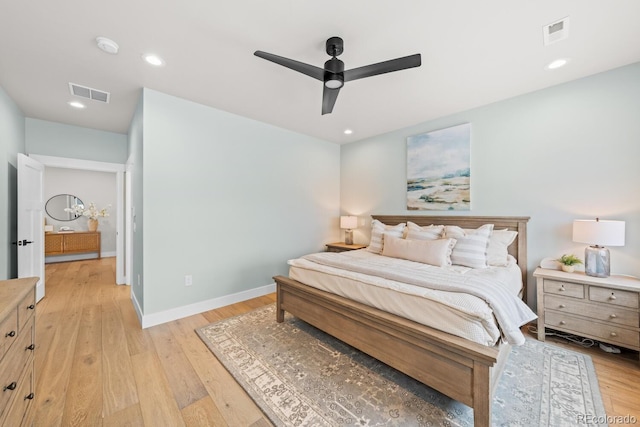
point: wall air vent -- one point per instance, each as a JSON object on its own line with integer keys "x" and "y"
{"x": 89, "y": 93}
{"x": 556, "y": 31}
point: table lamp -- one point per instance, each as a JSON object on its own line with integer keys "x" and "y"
{"x": 598, "y": 233}
{"x": 348, "y": 223}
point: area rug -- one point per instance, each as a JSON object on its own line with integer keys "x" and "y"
{"x": 300, "y": 376}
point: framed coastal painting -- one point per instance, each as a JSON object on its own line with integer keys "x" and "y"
{"x": 439, "y": 170}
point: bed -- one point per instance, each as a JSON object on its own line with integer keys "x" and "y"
{"x": 462, "y": 369}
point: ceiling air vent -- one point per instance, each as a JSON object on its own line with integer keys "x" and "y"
{"x": 89, "y": 93}
{"x": 556, "y": 31}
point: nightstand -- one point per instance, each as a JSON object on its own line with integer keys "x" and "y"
{"x": 603, "y": 309}
{"x": 343, "y": 247}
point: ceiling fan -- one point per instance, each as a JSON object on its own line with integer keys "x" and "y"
{"x": 333, "y": 74}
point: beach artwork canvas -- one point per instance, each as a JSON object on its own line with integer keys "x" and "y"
{"x": 439, "y": 170}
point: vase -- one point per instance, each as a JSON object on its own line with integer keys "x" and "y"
{"x": 93, "y": 224}
{"x": 568, "y": 268}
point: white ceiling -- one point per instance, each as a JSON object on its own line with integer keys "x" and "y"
{"x": 473, "y": 53}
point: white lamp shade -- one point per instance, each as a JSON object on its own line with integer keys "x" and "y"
{"x": 598, "y": 232}
{"x": 348, "y": 222}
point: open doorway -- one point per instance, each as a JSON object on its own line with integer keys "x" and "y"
{"x": 116, "y": 211}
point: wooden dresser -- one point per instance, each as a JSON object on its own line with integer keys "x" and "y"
{"x": 17, "y": 345}
{"x": 603, "y": 309}
{"x": 76, "y": 242}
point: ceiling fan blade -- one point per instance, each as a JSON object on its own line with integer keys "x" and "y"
{"x": 329, "y": 97}
{"x": 383, "y": 67}
{"x": 301, "y": 67}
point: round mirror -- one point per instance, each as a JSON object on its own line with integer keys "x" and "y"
{"x": 56, "y": 206}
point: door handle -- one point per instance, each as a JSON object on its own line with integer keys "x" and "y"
{"x": 24, "y": 242}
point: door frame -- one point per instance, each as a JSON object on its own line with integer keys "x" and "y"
{"x": 118, "y": 169}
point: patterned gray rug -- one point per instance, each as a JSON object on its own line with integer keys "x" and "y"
{"x": 300, "y": 376}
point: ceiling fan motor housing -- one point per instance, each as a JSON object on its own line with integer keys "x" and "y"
{"x": 333, "y": 73}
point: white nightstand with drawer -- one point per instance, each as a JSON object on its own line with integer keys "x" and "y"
{"x": 603, "y": 309}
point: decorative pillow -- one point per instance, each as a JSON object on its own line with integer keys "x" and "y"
{"x": 497, "y": 251}
{"x": 429, "y": 232}
{"x": 471, "y": 247}
{"x": 377, "y": 229}
{"x": 432, "y": 252}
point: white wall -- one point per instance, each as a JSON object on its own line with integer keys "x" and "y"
{"x": 89, "y": 186}
{"x": 559, "y": 154}
{"x": 12, "y": 142}
{"x": 228, "y": 200}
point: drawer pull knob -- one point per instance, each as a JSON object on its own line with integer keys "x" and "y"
{"x": 563, "y": 306}
{"x": 562, "y": 322}
{"x": 613, "y": 334}
{"x": 612, "y": 297}
{"x": 31, "y": 347}
{"x": 613, "y": 316}
{"x": 10, "y": 334}
{"x": 31, "y": 307}
{"x": 29, "y": 396}
{"x": 11, "y": 386}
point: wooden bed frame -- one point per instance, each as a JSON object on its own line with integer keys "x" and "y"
{"x": 461, "y": 369}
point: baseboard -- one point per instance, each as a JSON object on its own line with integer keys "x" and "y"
{"x": 154, "y": 319}
{"x": 136, "y": 306}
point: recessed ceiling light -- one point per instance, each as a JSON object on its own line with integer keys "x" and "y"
{"x": 558, "y": 63}
{"x": 153, "y": 59}
{"x": 348, "y": 131}
{"x": 76, "y": 104}
{"x": 107, "y": 45}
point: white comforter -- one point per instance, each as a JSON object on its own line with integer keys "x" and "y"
{"x": 492, "y": 285}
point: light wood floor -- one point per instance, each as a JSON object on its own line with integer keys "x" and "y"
{"x": 95, "y": 366}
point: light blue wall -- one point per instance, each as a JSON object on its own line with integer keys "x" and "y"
{"x": 60, "y": 140}
{"x": 559, "y": 154}
{"x": 228, "y": 200}
{"x": 135, "y": 170}
{"x": 12, "y": 142}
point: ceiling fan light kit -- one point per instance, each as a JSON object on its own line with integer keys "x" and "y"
{"x": 333, "y": 74}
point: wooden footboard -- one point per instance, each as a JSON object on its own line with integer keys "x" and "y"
{"x": 456, "y": 367}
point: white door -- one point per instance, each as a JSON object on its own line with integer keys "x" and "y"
{"x": 31, "y": 221}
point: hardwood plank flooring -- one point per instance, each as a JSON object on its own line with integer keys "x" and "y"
{"x": 97, "y": 367}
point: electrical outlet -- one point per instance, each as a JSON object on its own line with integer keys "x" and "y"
{"x": 188, "y": 280}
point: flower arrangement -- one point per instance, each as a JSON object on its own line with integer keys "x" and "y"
{"x": 91, "y": 212}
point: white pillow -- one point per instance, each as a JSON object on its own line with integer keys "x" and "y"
{"x": 497, "y": 251}
{"x": 432, "y": 252}
{"x": 429, "y": 232}
{"x": 377, "y": 229}
{"x": 471, "y": 247}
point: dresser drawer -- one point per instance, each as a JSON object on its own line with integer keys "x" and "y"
{"x": 573, "y": 290}
{"x": 8, "y": 332}
{"x": 26, "y": 308}
{"x": 19, "y": 413}
{"x": 17, "y": 358}
{"x": 613, "y": 314}
{"x": 614, "y": 296}
{"x": 605, "y": 332}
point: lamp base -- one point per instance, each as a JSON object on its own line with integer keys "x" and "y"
{"x": 596, "y": 261}
{"x": 348, "y": 237}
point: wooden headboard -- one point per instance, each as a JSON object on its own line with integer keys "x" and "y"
{"x": 518, "y": 249}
